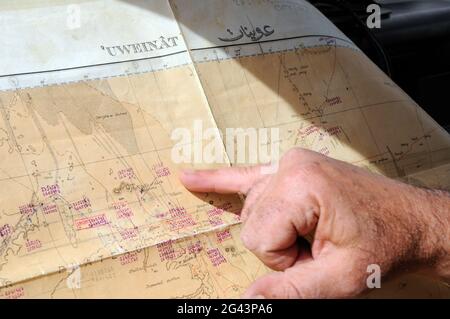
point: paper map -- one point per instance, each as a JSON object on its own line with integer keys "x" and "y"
{"x": 90, "y": 91}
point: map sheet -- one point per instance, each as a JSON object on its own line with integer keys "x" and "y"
{"x": 90, "y": 93}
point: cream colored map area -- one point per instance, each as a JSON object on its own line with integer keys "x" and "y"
{"x": 91, "y": 205}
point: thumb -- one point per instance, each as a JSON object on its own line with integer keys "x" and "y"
{"x": 326, "y": 278}
{"x": 223, "y": 180}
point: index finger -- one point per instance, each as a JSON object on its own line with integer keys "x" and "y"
{"x": 223, "y": 180}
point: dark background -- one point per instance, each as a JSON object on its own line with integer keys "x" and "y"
{"x": 412, "y": 45}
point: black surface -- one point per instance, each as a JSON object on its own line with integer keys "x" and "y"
{"x": 415, "y": 45}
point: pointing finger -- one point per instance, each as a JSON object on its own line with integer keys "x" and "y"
{"x": 223, "y": 181}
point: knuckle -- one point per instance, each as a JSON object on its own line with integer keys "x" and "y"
{"x": 249, "y": 240}
{"x": 277, "y": 261}
{"x": 295, "y": 151}
{"x": 314, "y": 168}
{"x": 293, "y": 155}
{"x": 248, "y": 170}
{"x": 310, "y": 171}
{"x": 300, "y": 164}
{"x": 317, "y": 174}
{"x": 255, "y": 240}
{"x": 250, "y": 174}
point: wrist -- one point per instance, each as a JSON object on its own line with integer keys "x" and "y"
{"x": 431, "y": 210}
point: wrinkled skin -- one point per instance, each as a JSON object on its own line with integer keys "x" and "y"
{"x": 358, "y": 218}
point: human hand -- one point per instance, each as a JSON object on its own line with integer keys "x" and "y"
{"x": 358, "y": 218}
